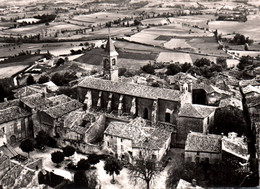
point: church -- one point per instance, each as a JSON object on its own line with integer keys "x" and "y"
{"x": 112, "y": 95}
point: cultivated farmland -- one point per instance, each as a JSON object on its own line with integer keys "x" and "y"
{"x": 174, "y": 57}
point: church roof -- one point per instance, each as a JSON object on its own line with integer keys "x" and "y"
{"x": 196, "y": 111}
{"x": 131, "y": 89}
{"x": 110, "y": 48}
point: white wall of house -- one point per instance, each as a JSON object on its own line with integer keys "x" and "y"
{"x": 162, "y": 152}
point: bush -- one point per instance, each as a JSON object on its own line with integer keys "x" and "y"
{"x": 43, "y": 79}
{"x": 83, "y": 164}
{"x": 68, "y": 151}
{"x": 121, "y": 71}
{"x": 93, "y": 159}
{"x": 148, "y": 69}
{"x": 173, "y": 69}
{"x": 185, "y": 67}
{"x": 222, "y": 62}
{"x": 57, "y": 157}
{"x": 30, "y": 80}
{"x": 52, "y": 142}
{"x": 202, "y": 62}
{"x": 62, "y": 79}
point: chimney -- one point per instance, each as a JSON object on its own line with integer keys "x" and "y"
{"x": 193, "y": 183}
{"x": 5, "y": 99}
{"x": 222, "y": 135}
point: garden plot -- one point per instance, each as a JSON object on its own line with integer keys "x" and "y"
{"x": 63, "y": 26}
{"x": 250, "y": 28}
{"x": 26, "y": 30}
{"x": 174, "y": 57}
{"x": 177, "y": 43}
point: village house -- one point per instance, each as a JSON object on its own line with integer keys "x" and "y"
{"x": 250, "y": 91}
{"x": 132, "y": 140}
{"x": 253, "y": 107}
{"x": 207, "y": 94}
{"x": 47, "y": 109}
{"x": 193, "y": 117}
{"x": 15, "y": 122}
{"x": 235, "y": 146}
{"x": 201, "y": 147}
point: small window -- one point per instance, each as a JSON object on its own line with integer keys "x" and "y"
{"x": 107, "y": 143}
{"x": 140, "y": 154}
{"x": 122, "y": 147}
{"x": 153, "y": 156}
{"x": 123, "y": 156}
{"x": 3, "y": 129}
{"x": 208, "y": 120}
{"x": 113, "y": 61}
{"x": 121, "y": 140}
{"x": 111, "y": 137}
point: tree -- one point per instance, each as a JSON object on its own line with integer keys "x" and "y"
{"x": 185, "y": 67}
{"x": 83, "y": 164}
{"x": 113, "y": 166}
{"x": 62, "y": 79}
{"x": 244, "y": 62}
{"x": 93, "y": 159}
{"x": 30, "y": 80}
{"x": 68, "y": 151}
{"x": 148, "y": 69}
{"x": 144, "y": 169}
{"x": 42, "y": 138}
{"x": 61, "y": 61}
{"x": 229, "y": 119}
{"x": 222, "y": 62}
{"x": 216, "y": 68}
{"x": 43, "y": 79}
{"x": 57, "y": 157}
{"x": 173, "y": 69}
{"x": 80, "y": 179}
{"x": 202, "y": 62}
{"x": 27, "y": 146}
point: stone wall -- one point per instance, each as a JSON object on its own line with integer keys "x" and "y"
{"x": 184, "y": 126}
{"x": 212, "y": 157}
{"x": 171, "y": 107}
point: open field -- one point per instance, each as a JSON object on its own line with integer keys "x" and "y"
{"x": 16, "y": 64}
{"x": 152, "y": 35}
{"x": 250, "y": 28}
{"x": 199, "y": 20}
{"x": 177, "y": 43}
{"x": 174, "y": 57}
{"x": 154, "y": 21}
{"x": 205, "y": 45}
{"x": 136, "y": 47}
{"x": 100, "y": 17}
{"x": 54, "y": 48}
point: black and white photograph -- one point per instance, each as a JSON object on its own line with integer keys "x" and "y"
{"x": 129, "y": 94}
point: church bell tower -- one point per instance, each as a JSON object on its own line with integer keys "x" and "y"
{"x": 110, "y": 67}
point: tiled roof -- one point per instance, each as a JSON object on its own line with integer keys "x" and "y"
{"x": 12, "y": 113}
{"x": 29, "y": 90}
{"x": 252, "y": 82}
{"x": 231, "y": 102}
{"x": 182, "y": 184}
{"x": 9, "y": 103}
{"x": 131, "y": 89}
{"x": 74, "y": 119}
{"x": 236, "y": 146}
{"x": 251, "y": 88}
{"x": 196, "y": 111}
{"x": 151, "y": 137}
{"x": 253, "y": 101}
{"x": 42, "y": 102}
{"x": 199, "y": 142}
{"x": 64, "y": 108}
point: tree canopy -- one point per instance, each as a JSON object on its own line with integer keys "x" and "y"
{"x": 113, "y": 166}
{"x": 57, "y": 157}
{"x": 83, "y": 164}
{"x": 27, "y": 145}
{"x": 68, "y": 151}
